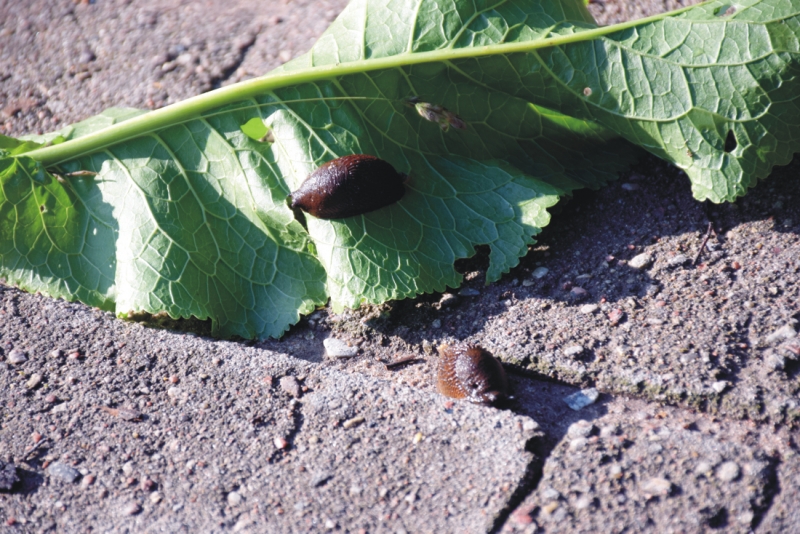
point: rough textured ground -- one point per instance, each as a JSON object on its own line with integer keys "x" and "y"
{"x": 697, "y": 365}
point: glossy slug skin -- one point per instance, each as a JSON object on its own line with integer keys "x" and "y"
{"x": 469, "y": 372}
{"x": 349, "y": 186}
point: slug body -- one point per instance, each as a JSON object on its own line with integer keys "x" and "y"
{"x": 349, "y": 186}
{"x": 469, "y": 372}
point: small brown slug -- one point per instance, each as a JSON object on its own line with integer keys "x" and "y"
{"x": 469, "y": 372}
{"x": 348, "y": 186}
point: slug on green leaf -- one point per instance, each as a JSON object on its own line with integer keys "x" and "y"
{"x": 348, "y": 186}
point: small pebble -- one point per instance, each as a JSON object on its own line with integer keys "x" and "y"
{"x": 131, "y": 508}
{"x": 33, "y": 381}
{"x": 728, "y": 471}
{"x": 87, "y": 56}
{"x": 746, "y": 517}
{"x": 550, "y": 494}
{"x": 469, "y": 292}
{"x": 582, "y": 398}
{"x": 540, "y": 272}
{"x": 55, "y": 353}
{"x": 630, "y": 187}
{"x": 290, "y": 385}
{"x": 174, "y": 392}
{"x": 549, "y": 508}
{"x": 792, "y": 349}
{"x": 720, "y": 386}
{"x": 583, "y": 502}
{"x": 589, "y": 308}
{"x": 234, "y": 499}
{"x": 447, "y": 300}
{"x": 355, "y": 421}
{"x": 578, "y": 444}
{"x": 787, "y": 331}
{"x": 336, "y": 348}
{"x": 174, "y": 379}
{"x": 530, "y": 425}
{"x": 580, "y": 429}
{"x": 578, "y": 292}
{"x": 615, "y": 316}
{"x": 775, "y": 362}
{"x": 521, "y": 517}
{"x": 155, "y": 497}
{"x": 678, "y": 259}
{"x": 640, "y": 261}
{"x": 320, "y": 478}
{"x": 280, "y": 443}
{"x": 657, "y": 486}
{"x": 608, "y": 431}
{"x": 127, "y": 468}
{"x": 8, "y": 475}
{"x": 703, "y": 468}
{"x": 16, "y": 357}
{"x": 88, "y": 480}
{"x": 63, "y": 472}
{"x": 573, "y": 350}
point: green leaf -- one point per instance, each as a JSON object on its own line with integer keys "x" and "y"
{"x": 713, "y": 90}
{"x": 162, "y": 227}
{"x": 495, "y": 109}
{"x": 53, "y": 246}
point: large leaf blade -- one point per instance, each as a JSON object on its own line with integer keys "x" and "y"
{"x": 710, "y": 91}
{"x": 548, "y": 99}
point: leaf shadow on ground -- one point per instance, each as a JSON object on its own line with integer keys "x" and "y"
{"x": 584, "y": 247}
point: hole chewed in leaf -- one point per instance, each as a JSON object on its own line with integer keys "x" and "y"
{"x": 730, "y": 142}
{"x": 725, "y": 11}
{"x": 256, "y": 130}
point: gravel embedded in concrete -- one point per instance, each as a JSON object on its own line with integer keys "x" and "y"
{"x": 336, "y": 348}
{"x": 63, "y": 472}
{"x": 581, "y": 399}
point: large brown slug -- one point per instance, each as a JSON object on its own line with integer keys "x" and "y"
{"x": 469, "y": 372}
{"x": 349, "y": 186}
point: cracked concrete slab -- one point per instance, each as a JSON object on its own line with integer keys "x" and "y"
{"x": 157, "y": 430}
{"x": 644, "y": 467}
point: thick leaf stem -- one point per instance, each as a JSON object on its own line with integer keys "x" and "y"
{"x": 196, "y": 106}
